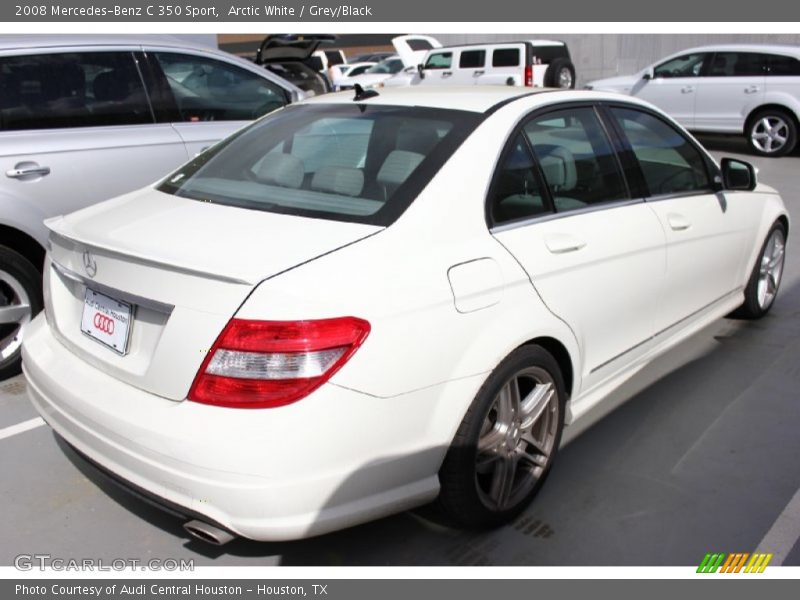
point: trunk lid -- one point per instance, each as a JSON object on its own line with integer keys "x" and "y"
{"x": 184, "y": 266}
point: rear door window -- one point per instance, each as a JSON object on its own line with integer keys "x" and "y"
{"x": 73, "y": 89}
{"x": 516, "y": 194}
{"x": 206, "y": 89}
{"x": 472, "y": 59}
{"x": 576, "y": 159}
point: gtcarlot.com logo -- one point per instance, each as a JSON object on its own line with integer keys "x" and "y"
{"x": 740, "y": 562}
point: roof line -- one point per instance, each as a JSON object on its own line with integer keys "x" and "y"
{"x": 495, "y": 107}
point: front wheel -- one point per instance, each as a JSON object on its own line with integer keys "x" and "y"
{"x": 772, "y": 132}
{"x": 506, "y": 442}
{"x": 20, "y": 300}
{"x": 765, "y": 279}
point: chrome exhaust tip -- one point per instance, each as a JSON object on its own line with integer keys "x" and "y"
{"x": 208, "y": 533}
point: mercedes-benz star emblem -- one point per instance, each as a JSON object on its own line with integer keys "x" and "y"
{"x": 89, "y": 264}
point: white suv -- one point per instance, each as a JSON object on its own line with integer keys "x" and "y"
{"x": 740, "y": 89}
{"x": 86, "y": 118}
{"x": 533, "y": 63}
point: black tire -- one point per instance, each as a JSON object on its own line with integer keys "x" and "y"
{"x": 784, "y": 124}
{"x": 16, "y": 273}
{"x": 552, "y": 76}
{"x": 755, "y": 304}
{"x": 464, "y": 475}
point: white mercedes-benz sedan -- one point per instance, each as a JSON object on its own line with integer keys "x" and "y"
{"x": 358, "y": 305}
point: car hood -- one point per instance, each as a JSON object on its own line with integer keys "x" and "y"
{"x": 622, "y": 83}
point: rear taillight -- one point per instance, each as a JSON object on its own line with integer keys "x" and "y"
{"x": 264, "y": 364}
{"x": 528, "y": 76}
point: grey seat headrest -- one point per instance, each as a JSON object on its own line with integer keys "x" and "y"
{"x": 284, "y": 170}
{"x": 338, "y": 180}
{"x": 559, "y": 169}
{"x": 398, "y": 166}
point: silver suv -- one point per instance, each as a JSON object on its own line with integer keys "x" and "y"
{"x": 86, "y": 118}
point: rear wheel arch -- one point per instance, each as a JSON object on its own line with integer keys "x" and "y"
{"x": 23, "y": 244}
{"x": 561, "y": 355}
{"x": 770, "y": 106}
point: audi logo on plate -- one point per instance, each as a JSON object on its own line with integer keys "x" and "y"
{"x": 104, "y": 323}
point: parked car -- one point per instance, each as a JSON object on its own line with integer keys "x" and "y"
{"x": 356, "y": 305}
{"x": 744, "y": 89}
{"x": 296, "y": 59}
{"x": 534, "y": 63}
{"x": 370, "y": 57}
{"x": 349, "y": 70}
{"x": 371, "y": 76}
{"x": 410, "y": 51}
{"x": 85, "y": 118}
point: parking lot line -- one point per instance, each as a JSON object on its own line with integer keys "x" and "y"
{"x": 784, "y": 533}
{"x": 7, "y": 432}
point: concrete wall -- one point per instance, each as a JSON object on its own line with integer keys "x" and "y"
{"x": 605, "y": 55}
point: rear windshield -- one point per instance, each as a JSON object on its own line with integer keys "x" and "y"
{"x": 357, "y": 163}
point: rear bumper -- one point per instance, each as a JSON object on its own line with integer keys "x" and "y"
{"x": 332, "y": 460}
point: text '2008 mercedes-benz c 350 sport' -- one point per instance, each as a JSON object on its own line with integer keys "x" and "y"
{"x": 358, "y": 305}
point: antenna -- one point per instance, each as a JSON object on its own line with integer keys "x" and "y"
{"x": 362, "y": 94}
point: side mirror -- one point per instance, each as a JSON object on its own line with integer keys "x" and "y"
{"x": 648, "y": 75}
{"x": 738, "y": 175}
{"x": 421, "y": 71}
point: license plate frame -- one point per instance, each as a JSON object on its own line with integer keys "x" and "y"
{"x": 102, "y": 318}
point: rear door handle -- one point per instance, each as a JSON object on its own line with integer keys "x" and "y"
{"x": 33, "y": 170}
{"x": 687, "y": 90}
{"x": 678, "y": 222}
{"x": 478, "y": 73}
{"x": 751, "y": 89}
{"x": 561, "y": 243}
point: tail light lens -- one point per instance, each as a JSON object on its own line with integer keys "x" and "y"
{"x": 264, "y": 364}
{"x": 528, "y": 76}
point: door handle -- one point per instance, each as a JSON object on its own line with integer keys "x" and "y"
{"x": 19, "y": 172}
{"x": 751, "y": 89}
{"x": 678, "y": 222}
{"x": 687, "y": 89}
{"x": 446, "y": 73}
{"x": 561, "y": 243}
{"x": 478, "y": 73}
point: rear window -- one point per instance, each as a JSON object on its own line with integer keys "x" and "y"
{"x": 544, "y": 55}
{"x": 472, "y": 59}
{"x": 506, "y": 57}
{"x": 356, "y": 163}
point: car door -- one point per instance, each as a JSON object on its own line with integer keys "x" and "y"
{"x": 707, "y": 232}
{"x": 439, "y": 69}
{"x": 471, "y": 67}
{"x": 733, "y": 84}
{"x": 560, "y": 205}
{"x": 206, "y": 99}
{"x": 77, "y": 128}
{"x": 505, "y": 65}
{"x": 673, "y": 86}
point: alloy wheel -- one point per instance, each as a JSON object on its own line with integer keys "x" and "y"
{"x": 517, "y": 439}
{"x": 771, "y": 268}
{"x": 770, "y": 134}
{"x": 15, "y": 311}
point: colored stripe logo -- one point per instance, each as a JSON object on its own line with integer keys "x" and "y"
{"x": 739, "y": 562}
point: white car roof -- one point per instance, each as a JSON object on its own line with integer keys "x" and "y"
{"x": 19, "y": 42}
{"x": 470, "y": 98}
{"x": 764, "y": 48}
